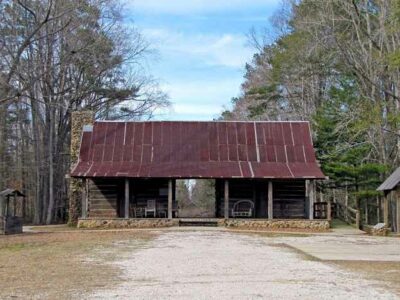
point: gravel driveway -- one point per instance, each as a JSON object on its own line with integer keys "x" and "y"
{"x": 217, "y": 264}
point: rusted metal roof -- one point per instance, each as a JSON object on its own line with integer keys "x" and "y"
{"x": 391, "y": 182}
{"x": 198, "y": 150}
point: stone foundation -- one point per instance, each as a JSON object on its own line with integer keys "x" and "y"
{"x": 126, "y": 223}
{"x": 317, "y": 225}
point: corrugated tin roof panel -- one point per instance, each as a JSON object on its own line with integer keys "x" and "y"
{"x": 198, "y": 150}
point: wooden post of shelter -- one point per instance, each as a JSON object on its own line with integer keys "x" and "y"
{"x": 226, "y": 199}
{"x": 170, "y": 199}
{"x": 386, "y": 209}
{"x": 397, "y": 211}
{"x": 126, "y": 202}
{"x": 2, "y": 206}
{"x": 270, "y": 200}
{"x": 14, "y": 205}
{"x": 346, "y": 204}
{"x": 378, "y": 211}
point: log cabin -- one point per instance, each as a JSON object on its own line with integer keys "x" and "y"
{"x": 262, "y": 170}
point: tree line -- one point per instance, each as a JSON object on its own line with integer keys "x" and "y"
{"x": 335, "y": 63}
{"x": 57, "y": 57}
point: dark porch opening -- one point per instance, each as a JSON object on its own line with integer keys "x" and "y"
{"x": 247, "y": 198}
{"x": 148, "y": 198}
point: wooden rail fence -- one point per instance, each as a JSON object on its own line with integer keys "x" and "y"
{"x": 348, "y": 214}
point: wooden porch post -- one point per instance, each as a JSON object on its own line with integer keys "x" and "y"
{"x": 170, "y": 199}
{"x": 217, "y": 198}
{"x": 310, "y": 193}
{"x": 270, "y": 200}
{"x": 226, "y": 199}
{"x": 126, "y": 198}
{"x": 84, "y": 198}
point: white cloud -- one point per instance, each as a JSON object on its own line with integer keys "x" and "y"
{"x": 196, "y": 109}
{"x": 227, "y": 49}
{"x": 196, "y": 6}
{"x": 199, "y": 100}
{"x": 193, "y": 112}
{"x": 203, "y": 91}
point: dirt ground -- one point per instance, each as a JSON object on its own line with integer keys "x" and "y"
{"x": 62, "y": 265}
{"x": 216, "y": 264}
{"x": 189, "y": 263}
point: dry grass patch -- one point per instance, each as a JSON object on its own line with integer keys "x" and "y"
{"x": 63, "y": 265}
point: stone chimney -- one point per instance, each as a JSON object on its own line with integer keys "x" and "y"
{"x": 78, "y": 120}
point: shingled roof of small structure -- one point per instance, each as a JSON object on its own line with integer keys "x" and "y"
{"x": 178, "y": 149}
{"x": 391, "y": 182}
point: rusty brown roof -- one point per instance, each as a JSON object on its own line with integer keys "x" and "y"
{"x": 217, "y": 149}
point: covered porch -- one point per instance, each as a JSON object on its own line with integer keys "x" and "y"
{"x": 234, "y": 198}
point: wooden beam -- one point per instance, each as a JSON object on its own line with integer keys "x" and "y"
{"x": 226, "y": 199}
{"x": 270, "y": 200}
{"x": 254, "y": 199}
{"x": 346, "y": 204}
{"x": 170, "y": 194}
{"x": 386, "y": 209}
{"x": 126, "y": 209}
{"x": 15, "y": 205}
{"x": 378, "y": 210}
{"x": 358, "y": 219}
{"x": 329, "y": 210}
{"x": 2, "y": 206}
{"x": 397, "y": 211}
{"x": 217, "y": 197}
{"x": 84, "y": 198}
{"x": 310, "y": 193}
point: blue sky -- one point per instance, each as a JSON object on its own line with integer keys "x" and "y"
{"x": 201, "y": 49}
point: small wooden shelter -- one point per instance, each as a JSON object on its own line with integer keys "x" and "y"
{"x": 10, "y": 220}
{"x": 391, "y": 204}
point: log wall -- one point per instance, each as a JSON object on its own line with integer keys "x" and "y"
{"x": 289, "y": 199}
{"x": 105, "y": 198}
